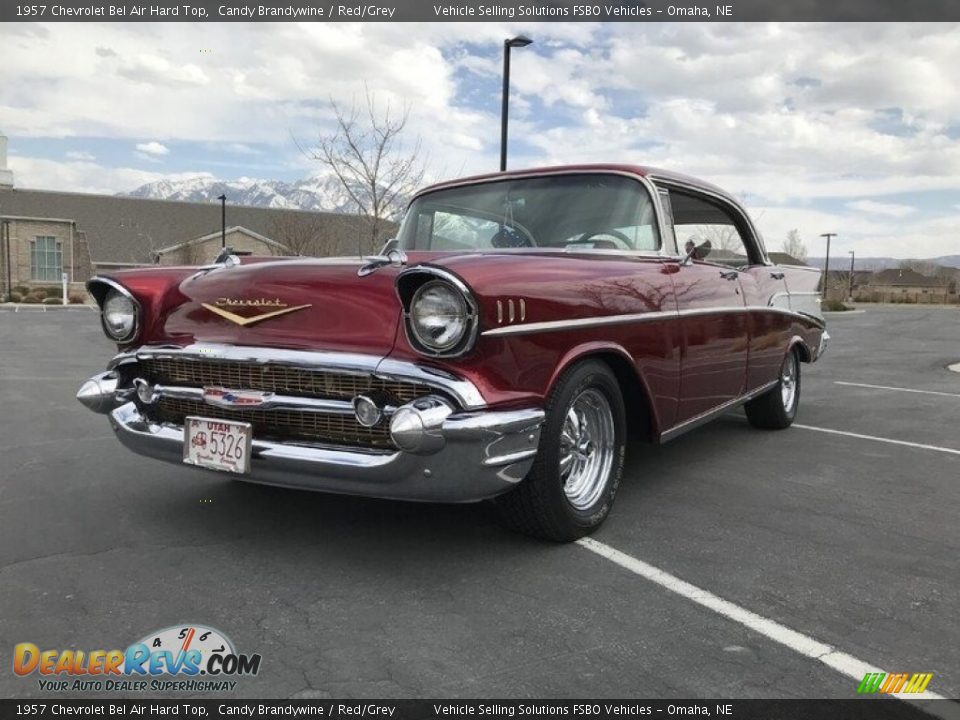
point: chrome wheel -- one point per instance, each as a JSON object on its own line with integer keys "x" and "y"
{"x": 587, "y": 442}
{"x": 788, "y": 382}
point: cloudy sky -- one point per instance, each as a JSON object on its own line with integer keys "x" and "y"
{"x": 828, "y": 127}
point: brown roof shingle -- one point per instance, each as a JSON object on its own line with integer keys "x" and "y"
{"x": 127, "y": 229}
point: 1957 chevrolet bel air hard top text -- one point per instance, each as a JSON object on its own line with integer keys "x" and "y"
{"x": 505, "y": 345}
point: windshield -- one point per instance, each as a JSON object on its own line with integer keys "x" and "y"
{"x": 575, "y": 212}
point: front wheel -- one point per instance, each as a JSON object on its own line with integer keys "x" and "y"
{"x": 777, "y": 408}
{"x": 574, "y": 479}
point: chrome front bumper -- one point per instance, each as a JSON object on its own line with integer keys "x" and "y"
{"x": 824, "y": 342}
{"x": 483, "y": 454}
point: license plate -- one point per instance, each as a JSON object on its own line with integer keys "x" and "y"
{"x": 217, "y": 444}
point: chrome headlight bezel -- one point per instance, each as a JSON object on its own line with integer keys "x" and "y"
{"x": 461, "y": 304}
{"x": 127, "y": 314}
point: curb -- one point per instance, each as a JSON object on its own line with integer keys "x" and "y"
{"x": 39, "y": 307}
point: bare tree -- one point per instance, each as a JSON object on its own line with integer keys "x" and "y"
{"x": 303, "y": 235}
{"x": 377, "y": 173}
{"x": 721, "y": 237}
{"x": 794, "y": 246}
{"x": 924, "y": 267}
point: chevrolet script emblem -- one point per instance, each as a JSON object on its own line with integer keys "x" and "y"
{"x": 219, "y": 308}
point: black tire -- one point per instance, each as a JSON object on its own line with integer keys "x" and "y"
{"x": 771, "y": 411}
{"x": 540, "y": 505}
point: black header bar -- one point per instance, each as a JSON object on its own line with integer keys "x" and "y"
{"x": 873, "y": 708}
{"x": 519, "y": 11}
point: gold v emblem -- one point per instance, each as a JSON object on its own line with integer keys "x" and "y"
{"x": 244, "y": 321}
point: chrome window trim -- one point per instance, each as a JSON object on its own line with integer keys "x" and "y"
{"x": 461, "y": 390}
{"x": 554, "y": 325}
{"x": 138, "y": 315}
{"x": 726, "y": 202}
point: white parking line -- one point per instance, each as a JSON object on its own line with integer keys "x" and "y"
{"x": 898, "y": 389}
{"x": 906, "y": 443}
{"x": 798, "y": 642}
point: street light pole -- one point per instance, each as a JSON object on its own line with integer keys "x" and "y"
{"x": 518, "y": 41}
{"x": 852, "y": 256}
{"x": 826, "y": 264}
{"x": 223, "y": 221}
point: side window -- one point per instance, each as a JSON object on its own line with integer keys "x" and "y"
{"x": 697, "y": 220}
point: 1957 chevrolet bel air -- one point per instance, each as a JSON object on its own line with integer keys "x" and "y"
{"x": 505, "y": 345}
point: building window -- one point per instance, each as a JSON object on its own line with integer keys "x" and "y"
{"x": 46, "y": 258}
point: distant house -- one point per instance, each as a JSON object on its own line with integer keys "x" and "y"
{"x": 205, "y": 249}
{"x": 905, "y": 285}
{"x": 45, "y": 234}
{"x": 782, "y": 258}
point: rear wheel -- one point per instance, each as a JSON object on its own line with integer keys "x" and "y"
{"x": 571, "y": 487}
{"x": 777, "y": 408}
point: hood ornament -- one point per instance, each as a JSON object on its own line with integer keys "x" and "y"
{"x": 218, "y": 308}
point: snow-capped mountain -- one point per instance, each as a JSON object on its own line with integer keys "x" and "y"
{"x": 317, "y": 192}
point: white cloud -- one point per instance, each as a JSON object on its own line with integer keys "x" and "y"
{"x": 153, "y": 148}
{"x": 867, "y": 237}
{"x": 879, "y": 208}
{"x": 81, "y": 176}
{"x": 781, "y": 114}
{"x": 80, "y": 155}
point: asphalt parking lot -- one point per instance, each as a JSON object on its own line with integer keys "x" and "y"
{"x": 849, "y": 540}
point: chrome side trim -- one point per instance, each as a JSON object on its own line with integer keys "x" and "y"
{"x": 464, "y": 392}
{"x": 554, "y": 325}
{"x": 704, "y": 418}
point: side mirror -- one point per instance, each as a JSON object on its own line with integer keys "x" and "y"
{"x": 391, "y": 244}
{"x": 696, "y": 252}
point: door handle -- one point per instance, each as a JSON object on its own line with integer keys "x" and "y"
{"x": 729, "y": 274}
{"x": 776, "y": 274}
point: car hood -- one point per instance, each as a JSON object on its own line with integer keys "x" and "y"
{"x": 299, "y": 304}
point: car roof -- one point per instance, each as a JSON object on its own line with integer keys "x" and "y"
{"x": 653, "y": 173}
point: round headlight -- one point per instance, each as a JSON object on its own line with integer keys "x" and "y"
{"x": 439, "y": 316}
{"x": 119, "y": 316}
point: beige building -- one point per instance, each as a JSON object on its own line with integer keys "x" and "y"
{"x": 205, "y": 249}
{"x": 45, "y": 234}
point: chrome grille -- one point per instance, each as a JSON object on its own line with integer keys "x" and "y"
{"x": 280, "y": 379}
{"x": 327, "y": 428}
{"x": 282, "y": 424}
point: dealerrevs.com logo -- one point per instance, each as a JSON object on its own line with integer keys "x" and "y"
{"x": 188, "y": 658}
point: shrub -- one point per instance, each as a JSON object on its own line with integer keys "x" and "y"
{"x": 21, "y": 289}
{"x": 16, "y": 297}
{"x": 76, "y": 300}
{"x": 52, "y": 301}
{"x": 38, "y": 294}
{"x": 30, "y": 300}
{"x": 833, "y": 306}
{"x": 53, "y": 291}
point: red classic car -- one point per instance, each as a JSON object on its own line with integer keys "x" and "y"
{"x": 505, "y": 345}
